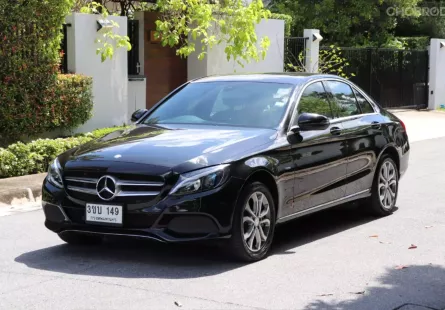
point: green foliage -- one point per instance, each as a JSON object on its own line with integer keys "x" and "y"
{"x": 65, "y": 104}
{"x": 331, "y": 61}
{"x": 414, "y": 42}
{"x": 98, "y": 133}
{"x": 30, "y": 34}
{"x": 346, "y": 23}
{"x": 230, "y": 22}
{"x": 72, "y": 103}
{"x": 108, "y": 40}
{"x": 34, "y": 157}
{"x": 287, "y": 22}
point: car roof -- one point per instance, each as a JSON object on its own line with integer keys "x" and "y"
{"x": 295, "y": 78}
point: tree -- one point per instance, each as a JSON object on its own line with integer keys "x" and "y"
{"x": 229, "y": 22}
{"x": 184, "y": 23}
{"x": 347, "y": 22}
{"x": 430, "y": 24}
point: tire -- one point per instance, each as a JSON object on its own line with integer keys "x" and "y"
{"x": 251, "y": 250}
{"x": 377, "y": 205}
{"x": 80, "y": 239}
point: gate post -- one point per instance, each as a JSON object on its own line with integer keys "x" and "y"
{"x": 312, "y": 49}
{"x": 436, "y": 96}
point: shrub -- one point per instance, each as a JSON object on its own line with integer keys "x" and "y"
{"x": 34, "y": 157}
{"x": 72, "y": 102}
{"x": 67, "y": 106}
{"x": 29, "y": 60}
{"x": 98, "y": 133}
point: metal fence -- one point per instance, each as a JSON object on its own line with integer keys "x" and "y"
{"x": 394, "y": 78}
{"x": 294, "y": 52}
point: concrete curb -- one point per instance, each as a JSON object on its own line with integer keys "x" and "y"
{"x": 19, "y": 190}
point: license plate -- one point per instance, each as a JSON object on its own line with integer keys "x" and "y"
{"x": 104, "y": 214}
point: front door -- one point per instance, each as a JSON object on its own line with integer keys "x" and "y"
{"x": 320, "y": 159}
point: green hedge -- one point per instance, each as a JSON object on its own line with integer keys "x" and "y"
{"x": 21, "y": 159}
{"x": 30, "y": 35}
{"x": 72, "y": 102}
{"x": 67, "y": 105}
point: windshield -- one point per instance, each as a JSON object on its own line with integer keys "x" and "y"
{"x": 234, "y": 103}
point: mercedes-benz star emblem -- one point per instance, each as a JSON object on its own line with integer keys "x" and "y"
{"x": 106, "y": 187}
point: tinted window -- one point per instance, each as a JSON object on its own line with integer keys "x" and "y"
{"x": 236, "y": 103}
{"x": 363, "y": 103}
{"x": 314, "y": 100}
{"x": 344, "y": 99}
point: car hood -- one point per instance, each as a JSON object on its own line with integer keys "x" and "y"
{"x": 168, "y": 148}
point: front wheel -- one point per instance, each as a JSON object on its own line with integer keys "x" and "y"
{"x": 253, "y": 224}
{"x": 385, "y": 188}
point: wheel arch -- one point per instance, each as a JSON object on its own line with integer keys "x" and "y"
{"x": 266, "y": 177}
{"x": 391, "y": 151}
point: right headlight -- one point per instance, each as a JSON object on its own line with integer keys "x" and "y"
{"x": 55, "y": 174}
{"x": 201, "y": 180}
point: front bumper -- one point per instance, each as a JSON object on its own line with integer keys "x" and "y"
{"x": 195, "y": 217}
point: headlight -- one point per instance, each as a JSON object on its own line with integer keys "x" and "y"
{"x": 201, "y": 180}
{"x": 54, "y": 174}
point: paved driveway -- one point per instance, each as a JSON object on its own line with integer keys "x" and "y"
{"x": 423, "y": 125}
{"x": 337, "y": 259}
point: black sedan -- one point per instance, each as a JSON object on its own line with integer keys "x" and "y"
{"x": 230, "y": 157}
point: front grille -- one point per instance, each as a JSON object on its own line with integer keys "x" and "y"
{"x": 127, "y": 188}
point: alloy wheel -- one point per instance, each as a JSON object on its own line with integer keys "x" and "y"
{"x": 256, "y": 221}
{"x": 387, "y": 185}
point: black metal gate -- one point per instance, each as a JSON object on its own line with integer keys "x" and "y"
{"x": 394, "y": 78}
{"x": 294, "y": 53}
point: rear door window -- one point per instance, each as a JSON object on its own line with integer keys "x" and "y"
{"x": 363, "y": 103}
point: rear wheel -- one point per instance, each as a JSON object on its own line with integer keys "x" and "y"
{"x": 80, "y": 239}
{"x": 385, "y": 188}
{"x": 253, "y": 224}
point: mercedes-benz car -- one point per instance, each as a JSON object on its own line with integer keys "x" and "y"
{"x": 228, "y": 158}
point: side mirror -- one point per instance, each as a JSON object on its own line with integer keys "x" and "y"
{"x": 138, "y": 114}
{"x": 312, "y": 121}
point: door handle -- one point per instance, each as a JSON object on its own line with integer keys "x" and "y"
{"x": 376, "y": 125}
{"x": 335, "y": 131}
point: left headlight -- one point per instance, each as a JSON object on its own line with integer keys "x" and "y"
{"x": 54, "y": 174}
{"x": 201, "y": 180}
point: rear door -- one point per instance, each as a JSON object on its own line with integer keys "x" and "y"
{"x": 363, "y": 131}
{"x": 320, "y": 156}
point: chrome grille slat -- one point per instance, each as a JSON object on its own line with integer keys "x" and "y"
{"x": 136, "y": 194}
{"x": 138, "y": 183}
{"x": 125, "y": 188}
{"x": 83, "y": 190}
{"x": 82, "y": 180}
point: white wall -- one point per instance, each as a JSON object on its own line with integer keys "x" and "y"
{"x": 110, "y": 78}
{"x": 216, "y": 62}
{"x": 436, "y": 95}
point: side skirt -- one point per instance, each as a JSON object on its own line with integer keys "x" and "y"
{"x": 359, "y": 195}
